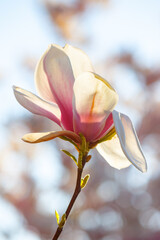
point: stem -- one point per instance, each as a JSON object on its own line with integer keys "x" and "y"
{"x": 74, "y": 197}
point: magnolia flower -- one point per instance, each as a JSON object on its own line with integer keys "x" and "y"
{"x": 80, "y": 101}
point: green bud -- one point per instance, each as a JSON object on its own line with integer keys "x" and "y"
{"x": 63, "y": 220}
{"x": 57, "y": 217}
{"x": 84, "y": 181}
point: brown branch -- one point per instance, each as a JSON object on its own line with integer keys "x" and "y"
{"x": 74, "y": 197}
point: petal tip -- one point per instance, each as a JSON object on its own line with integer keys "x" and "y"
{"x": 50, "y": 46}
{"x": 144, "y": 168}
{"x": 25, "y": 139}
{"x": 30, "y": 138}
{"x": 141, "y": 167}
{"x": 17, "y": 89}
{"x": 14, "y": 88}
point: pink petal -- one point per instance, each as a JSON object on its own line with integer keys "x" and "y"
{"x": 46, "y": 136}
{"x": 107, "y": 127}
{"x": 54, "y": 81}
{"x": 94, "y": 99}
{"x": 36, "y": 105}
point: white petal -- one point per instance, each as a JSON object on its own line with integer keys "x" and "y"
{"x": 129, "y": 140}
{"x": 94, "y": 99}
{"x": 46, "y": 136}
{"x": 37, "y": 105}
{"x": 41, "y": 81}
{"x": 113, "y": 154}
{"x": 79, "y": 60}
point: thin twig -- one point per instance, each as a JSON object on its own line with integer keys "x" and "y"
{"x": 74, "y": 197}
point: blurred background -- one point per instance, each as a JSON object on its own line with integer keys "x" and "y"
{"x": 122, "y": 38}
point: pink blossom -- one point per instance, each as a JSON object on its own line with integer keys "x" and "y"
{"x": 80, "y": 101}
